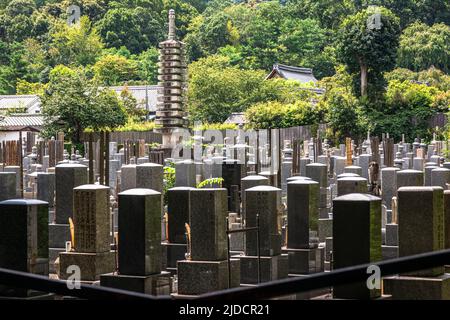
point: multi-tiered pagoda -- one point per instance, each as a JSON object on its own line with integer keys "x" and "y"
{"x": 171, "y": 112}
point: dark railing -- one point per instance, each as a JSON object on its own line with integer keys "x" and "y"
{"x": 266, "y": 290}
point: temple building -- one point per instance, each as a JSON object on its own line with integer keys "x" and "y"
{"x": 303, "y": 75}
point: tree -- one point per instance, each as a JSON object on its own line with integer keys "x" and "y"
{"x": 148, "y": 65}
{"x": 16, "y": 22}
{"x": 275, "y": 114}
{"x": 217, "y": 89}
{"x": 345, "y": 116}
{"x": 135, "y": 28}
{"x": 72, "y": 103}
{"x": 77, "y": 45}
{"x": 422, "y": 46}
{"x": 367, "y": 43}
{"x": 112, "y": 70}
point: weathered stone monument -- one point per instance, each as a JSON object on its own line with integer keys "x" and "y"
{"x": 206, "y": 268}
{"x": 171, "y": 113}
{"x": 265, "y": 202}
{"x": 23, "y": 241}
{"x": 139, "y": 245}
{"x": 305, "y": 256}
{"x": 67, "y": 177}
{"x": 91, "y": 244}
{"x": 178, "y": 211}
{"x": 356, "y": 240}
{"x": 420, "y": 230}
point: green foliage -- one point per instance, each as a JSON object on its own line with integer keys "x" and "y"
{"x": 369, "y": 49}
{"x": 422, "y": 46}
{"x": 72, "y": 103}
{"x": 216, "y": 89}
{"x": 215, "y": 126}
{"x": 345, "y": 116}
{"x": 133, "y": 125}
{"x": 432, "y": 77}
{"x": 169, "y": 180}
{"x": 111, "y": 70}
{"x": 211, "y": 183}
{"x": 148, "y": 65}
{"x": 269, "y": 115}
{"x": 137, "y": 28}
{"x": 25, "y": 87}
{"x": 77, "y": 45}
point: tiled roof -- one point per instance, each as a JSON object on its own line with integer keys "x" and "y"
{"x": 18, "y": 101}
{"x": 303, "y": 75}
{"x": 140, "y": 94}
{"x": 16, "y": 122}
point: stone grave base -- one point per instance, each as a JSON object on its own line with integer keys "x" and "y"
{"x": 389, "y": 252}
{"x": 199, "y": 277}
{"x": 355, "y": 291}
{"x": 418, "y": 288}
{"x": 325, "y": 229}
{"x": 53, "y": 254}
{"x": 155, "y": 284}
{"x": 308, "y": 295}
{"x": 272, "y": 268}
{"x": 173, "y": 252}
{"x": 92, "y": 265}
{"x": 305, "y": 261}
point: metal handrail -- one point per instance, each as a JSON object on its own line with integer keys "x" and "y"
{"x": 266, "y": 290}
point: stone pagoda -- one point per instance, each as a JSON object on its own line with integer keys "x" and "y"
{"x": 171, "y": 113}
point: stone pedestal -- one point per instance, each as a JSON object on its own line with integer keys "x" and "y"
{"x": 418, "y": 288}
{"x": 155, "y": 284}
{"x": 92, "y": 265}
{"x": 272, "y": 268}
{"x": 199, "y": 277}
{"x": 305, "y": 261}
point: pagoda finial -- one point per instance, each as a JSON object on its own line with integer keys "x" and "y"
{"x": 172, "y": 27}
